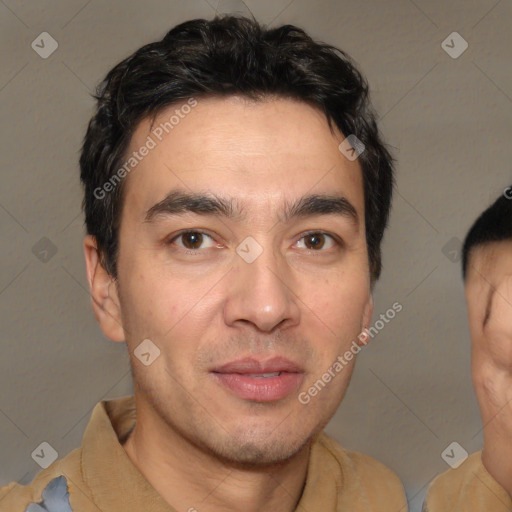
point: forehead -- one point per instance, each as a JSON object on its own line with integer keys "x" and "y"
{"x": 490, "y": 262}
{"x": 256, "y": 150}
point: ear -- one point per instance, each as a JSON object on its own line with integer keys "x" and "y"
{"x": 104, "y": 294}
{"x": 364, "y": 337}
{"x": 368, "y": 311}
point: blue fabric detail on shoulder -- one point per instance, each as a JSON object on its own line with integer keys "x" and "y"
{"x": 55, "y": 497}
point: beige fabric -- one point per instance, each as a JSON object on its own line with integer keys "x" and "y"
{"x": 102, "y": 478}
{"x": 469, "y": 488}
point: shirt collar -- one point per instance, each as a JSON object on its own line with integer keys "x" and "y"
{"x": 117, "y": 484}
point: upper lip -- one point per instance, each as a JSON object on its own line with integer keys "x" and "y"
{"x": 251, "y": 365}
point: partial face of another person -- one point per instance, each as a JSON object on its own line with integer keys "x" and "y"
{"x": 268, "y": 284}
{"x": 489, "y": 299}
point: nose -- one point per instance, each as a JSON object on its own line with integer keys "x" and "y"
{"x": 262, "y": 294}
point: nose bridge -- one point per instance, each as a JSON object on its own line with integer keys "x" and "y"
{"x": 263, "y": 292}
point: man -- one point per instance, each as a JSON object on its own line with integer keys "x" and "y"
{"x": 236, "y": 195}
{"x": 483, "y": 482}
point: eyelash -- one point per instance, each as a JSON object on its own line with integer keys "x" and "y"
{"x": 195, "y": 252}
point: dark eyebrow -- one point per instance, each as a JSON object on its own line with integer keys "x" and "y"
{"x": 178, "y": 201}
{"x": 320, "y": 204}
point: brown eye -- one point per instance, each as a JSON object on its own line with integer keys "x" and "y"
{"x": 192, "y": 240}
{"x": 317, "y": 241}
{"x": 314, "y": 241}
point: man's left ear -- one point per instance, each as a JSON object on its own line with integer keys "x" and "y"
{"x": 366, "y": 319}
{"x": 368, "y": 311}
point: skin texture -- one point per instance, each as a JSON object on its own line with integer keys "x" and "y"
{"x": 195, "y": 441}
{"x": 489, "y": 300}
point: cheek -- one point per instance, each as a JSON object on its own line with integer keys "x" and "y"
{"x": 149, "y": 306}
{"x": 340, "y": 303}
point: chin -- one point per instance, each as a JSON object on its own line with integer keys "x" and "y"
{"x": 267, "y": 452}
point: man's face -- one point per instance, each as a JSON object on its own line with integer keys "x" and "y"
{"x": 204, "y": 304}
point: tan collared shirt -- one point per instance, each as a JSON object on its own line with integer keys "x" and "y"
{"x": 469, "y": 488}
{"x": 101, "y": 477}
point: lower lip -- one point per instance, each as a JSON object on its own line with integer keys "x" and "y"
{"x": 261, "y": 389}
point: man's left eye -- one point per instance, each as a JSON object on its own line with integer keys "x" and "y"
{"x": 316, "y": 241}
{"x": 192, "y": 240}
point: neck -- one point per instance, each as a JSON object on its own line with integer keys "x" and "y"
{"x": 192, "y": 479}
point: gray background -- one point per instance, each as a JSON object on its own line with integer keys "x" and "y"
{"x": 448, "y": 121}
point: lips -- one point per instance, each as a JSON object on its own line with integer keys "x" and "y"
{"x": 260, "y": 381}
